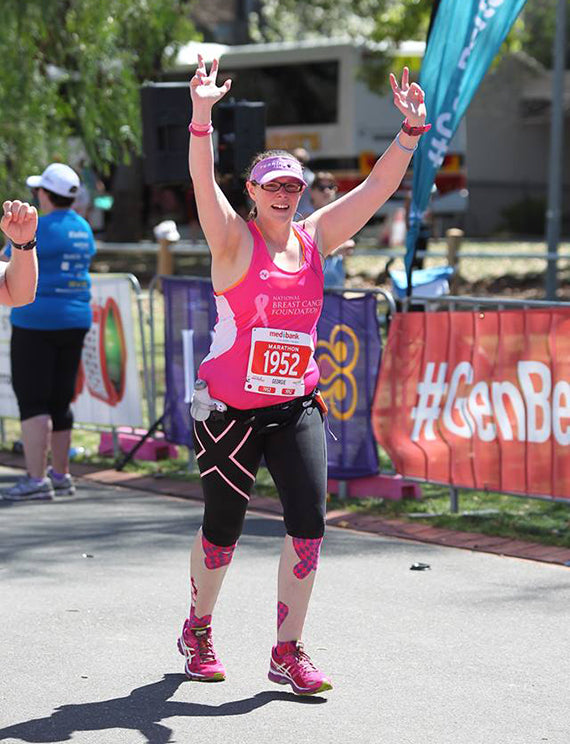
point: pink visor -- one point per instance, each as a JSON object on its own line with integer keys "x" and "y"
{"x": 276, "y": 167}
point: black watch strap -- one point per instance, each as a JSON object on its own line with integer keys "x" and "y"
{"x": 25, "y": 246}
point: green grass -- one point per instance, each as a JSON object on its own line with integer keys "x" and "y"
{"x": 545, "y": 522}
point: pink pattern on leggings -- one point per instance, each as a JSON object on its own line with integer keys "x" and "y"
{"x": 217, "y": 555}
{"x": 194, "y": 590}
{"x": 308, "y": 550}
{"x": 282, "y": 612}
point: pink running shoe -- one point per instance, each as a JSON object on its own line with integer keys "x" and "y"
{"x": 202, "y": 664}
{"x": 294, "y": 667}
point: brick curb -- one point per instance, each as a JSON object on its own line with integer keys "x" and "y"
{"x": 369, "y": 523}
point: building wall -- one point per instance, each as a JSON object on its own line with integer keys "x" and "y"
{"x": 507, "y": 151}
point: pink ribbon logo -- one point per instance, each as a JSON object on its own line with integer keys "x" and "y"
{"x": 261, "y": 302}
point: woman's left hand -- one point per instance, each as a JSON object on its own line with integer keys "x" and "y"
{"x": 19, "y": 221}
{"x": 409, "y": 99}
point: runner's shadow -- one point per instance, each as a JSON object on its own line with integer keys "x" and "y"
{"x": 142, "y": 710}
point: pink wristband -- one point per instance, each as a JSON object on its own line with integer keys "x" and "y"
{"x": 200, "y": 130}
{"x": 201, "y": 127}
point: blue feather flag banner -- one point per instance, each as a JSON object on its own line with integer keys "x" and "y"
{"x": 465, "y": 36}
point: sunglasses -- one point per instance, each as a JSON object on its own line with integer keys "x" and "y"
{"x": 325, "y": 186}
{"x": 274, "y": 186}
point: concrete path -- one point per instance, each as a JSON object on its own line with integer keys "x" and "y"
{"x": 93, "y": 590}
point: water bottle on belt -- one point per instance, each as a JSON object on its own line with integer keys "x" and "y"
{"x": 202, "y": 405}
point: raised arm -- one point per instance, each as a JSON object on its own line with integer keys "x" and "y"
{"x": 222, "y": 226}
{"x": 18, "y": 284}
{"x": 340, "y": 220}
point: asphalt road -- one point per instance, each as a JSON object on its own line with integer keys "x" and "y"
{"x": 475, "y": 650}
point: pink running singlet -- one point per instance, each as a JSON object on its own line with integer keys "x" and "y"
{"x": 262, "y": 351}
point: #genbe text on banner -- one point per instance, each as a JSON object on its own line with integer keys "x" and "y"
{"x": 479, "y": 400}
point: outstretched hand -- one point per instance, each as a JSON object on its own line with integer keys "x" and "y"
{"x": 409, "y": 99}
{"x": 203, "y": 88}
{"x": 19, "y": 222}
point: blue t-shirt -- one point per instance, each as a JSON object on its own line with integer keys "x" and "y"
{"x": 65, "y": 248}
{"x": 333, "y": 271}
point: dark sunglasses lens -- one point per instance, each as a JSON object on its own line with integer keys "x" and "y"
{"x": 325, "y": 186}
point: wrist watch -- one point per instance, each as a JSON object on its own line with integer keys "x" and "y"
{"x": 30, "y": 245}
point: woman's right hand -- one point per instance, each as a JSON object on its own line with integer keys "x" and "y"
{"x": 203, "y": 89}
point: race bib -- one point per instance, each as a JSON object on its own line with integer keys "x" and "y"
{"x": 278, "y": 361}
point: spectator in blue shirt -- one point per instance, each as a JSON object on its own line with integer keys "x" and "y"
{"x": 47, "y": 336}
{"x": 323, "y": 191}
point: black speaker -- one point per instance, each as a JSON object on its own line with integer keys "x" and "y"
{"x": 166, "y": 112}
{"x": 241, "y": 135}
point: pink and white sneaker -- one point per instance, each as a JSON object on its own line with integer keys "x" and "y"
{"x": 290, "y": 665}
{"x": 202, "y": 664}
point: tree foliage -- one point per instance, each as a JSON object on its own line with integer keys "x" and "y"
{"x": 538, "y": 30}
{"x": 72, "y": 69}
{"x": 390, "y": 22}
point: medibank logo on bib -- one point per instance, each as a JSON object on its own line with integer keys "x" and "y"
{"x": 285, "y": 335}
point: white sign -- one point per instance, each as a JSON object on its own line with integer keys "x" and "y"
{"x": 109, "y": 390}
{"x": 109, "y": 386}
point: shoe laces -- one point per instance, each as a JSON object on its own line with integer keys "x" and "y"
{"x": 303, "y": 658}
{"x": 205, "y": 646}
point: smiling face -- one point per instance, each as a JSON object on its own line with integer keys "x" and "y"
{"x": 278, "y": 204}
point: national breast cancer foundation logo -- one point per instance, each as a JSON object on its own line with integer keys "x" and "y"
{"x": 337, "y": 359}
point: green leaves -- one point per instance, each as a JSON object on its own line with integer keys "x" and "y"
{"x": 75, "y": 71}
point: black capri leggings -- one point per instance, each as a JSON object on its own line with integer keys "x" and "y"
{"x": 229, "y": 452}
{"x": 44, "y": 371}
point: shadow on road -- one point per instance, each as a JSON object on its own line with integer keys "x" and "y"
{"x": 142, "y": 710}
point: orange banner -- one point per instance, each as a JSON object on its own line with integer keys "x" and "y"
{"x": 478, "y": 400}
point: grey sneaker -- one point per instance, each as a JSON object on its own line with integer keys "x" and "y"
{"x": 62, "y": 486}
{"x": 29, "y": 489}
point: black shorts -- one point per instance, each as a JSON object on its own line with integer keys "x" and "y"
{"x": 44, "y": 372}
{"x": 229, "y": 448}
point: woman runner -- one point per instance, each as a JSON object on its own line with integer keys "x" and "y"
{"x": 261, "y": 375}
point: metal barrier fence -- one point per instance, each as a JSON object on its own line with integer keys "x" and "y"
{"x": 460, "y": 420}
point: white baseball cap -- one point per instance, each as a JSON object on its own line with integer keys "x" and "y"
{"x": 57, "y": 177}
{"x": 167, "y": 230}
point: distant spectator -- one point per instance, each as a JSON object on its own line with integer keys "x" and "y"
{"x": 90, "y": 188}
{"x": 305, "y": 208}
{"x": 47, "y": 336}
{"x": 323, "y": 191}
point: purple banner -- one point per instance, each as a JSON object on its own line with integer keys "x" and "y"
{"x": 189, "y": 317}
{"x": 348, "y": 353}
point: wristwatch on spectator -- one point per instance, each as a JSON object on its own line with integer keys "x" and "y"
{"x": 30, "y": 245}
